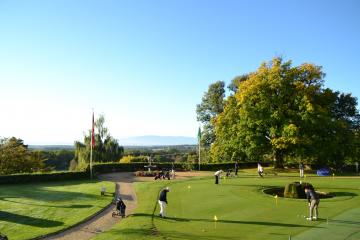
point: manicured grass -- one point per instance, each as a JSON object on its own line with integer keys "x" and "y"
{"x": 30, "y": 210}
{"x": 242, "y": 209}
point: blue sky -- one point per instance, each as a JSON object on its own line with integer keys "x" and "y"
{"x": 146, "y": 64}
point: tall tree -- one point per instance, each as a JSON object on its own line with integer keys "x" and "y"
{"x": 284, "y": 112}
{"x": 211, "y": 105}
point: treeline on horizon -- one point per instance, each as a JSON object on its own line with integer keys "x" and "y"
{"x": 17, "y": 157}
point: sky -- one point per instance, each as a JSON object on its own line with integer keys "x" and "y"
{"x": 146, "y": 64}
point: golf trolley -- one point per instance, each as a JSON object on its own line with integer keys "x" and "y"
{"x": 3, "y": 237}
{"x": 120, "y": 208}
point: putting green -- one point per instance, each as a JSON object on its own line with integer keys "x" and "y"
{"x": 343, "y": 226}
{"x": 242, "y": 210}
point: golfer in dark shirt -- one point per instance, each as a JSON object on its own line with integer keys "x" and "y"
{"x": 163, "y": 201}
{"x": 313, "y": 200}
{"x": 236, "y": 168}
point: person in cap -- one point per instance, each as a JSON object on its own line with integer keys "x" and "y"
{"x": 313, "y": 200}
{"x": 163, "y": 201}
{"x": 217, "y": 175}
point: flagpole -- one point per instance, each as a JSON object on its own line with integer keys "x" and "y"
{"x": 91, "y": 145}
{"x": 199, "y": 156}
{"x": 199, "y": 139}
{"x": 91, "y": 149}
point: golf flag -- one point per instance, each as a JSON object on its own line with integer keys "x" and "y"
{"x": 199, "y": 134}
{"x": 93, "y": 132}
{"x": 215, "y": 218}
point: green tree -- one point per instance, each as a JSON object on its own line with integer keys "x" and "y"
{"x": 211, "y": 105}
{"x": 106, "y": 149}
{"x": 15, "y": 157}
{"x": 284, "y": 112}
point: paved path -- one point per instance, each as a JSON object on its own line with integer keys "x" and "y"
{"x": 104, "y": 220}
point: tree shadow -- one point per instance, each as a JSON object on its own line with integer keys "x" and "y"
{"x": 6, "y": 199}
{"x": 224, "y": 221}
{"x": 41, "y": 192}
{"x": 344, "y": 194}
{"x": 30, "y": 221}
{"x": 344, "y": 222}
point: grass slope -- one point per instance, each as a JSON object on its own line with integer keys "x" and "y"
{"x": 30, "y": 210}
{"x": 242, "y": 209}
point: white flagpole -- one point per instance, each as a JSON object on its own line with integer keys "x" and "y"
{"x": 91, "y": 145}
{"x": 199, "y": 155}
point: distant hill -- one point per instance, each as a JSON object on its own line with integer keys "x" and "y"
{"x": 51, "y": 147}
{"x": 157, "y": 141}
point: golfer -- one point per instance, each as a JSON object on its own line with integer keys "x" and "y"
{"x": 314, "y": 200}
{"x": 260, "y": 170}
{"x": 217, "y": 176}
{"x": 301, "y": 169}
{"x": 163, "y": 201}
{"x": 236, "y": 168}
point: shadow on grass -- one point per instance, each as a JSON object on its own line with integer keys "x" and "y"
{"x": 344, "y": 194}
{"x": 134, "y": 233}
{"x": 7, "y": 199}
{"x": 42, "y": 192}
{"x": 344, "y": 222}
{"x": 224, "y": 221}
{"x": 26, "y": 220}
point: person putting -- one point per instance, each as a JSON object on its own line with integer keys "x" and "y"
{"x": 217, "y": 175}
{"x": 313, "y": 200}
{"x": 163, "y": 201}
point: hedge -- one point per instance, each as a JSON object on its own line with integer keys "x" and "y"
{"x": 100, "y": 168}
{"x": 133, "y": 167}
{"x": 43, "y": 177}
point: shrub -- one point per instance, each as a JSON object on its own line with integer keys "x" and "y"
{"x": 296, "y": 190}
{"x": 133, "y": 159}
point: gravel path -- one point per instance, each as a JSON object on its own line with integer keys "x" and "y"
{"x": 104, "y": 220}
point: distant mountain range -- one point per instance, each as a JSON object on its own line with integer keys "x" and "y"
{"x": 157, "y": 141}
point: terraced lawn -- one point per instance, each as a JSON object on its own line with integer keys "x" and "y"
{"x": 31, "y": 210}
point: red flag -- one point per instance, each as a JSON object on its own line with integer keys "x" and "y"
{"x": 93, "y": 132}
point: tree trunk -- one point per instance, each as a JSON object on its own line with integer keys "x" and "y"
{"x": 278, "y": 160}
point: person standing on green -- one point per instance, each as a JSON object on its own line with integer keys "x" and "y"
{"x": 301, "y": 169}
{"x": 313, "y": 200}
{"x": 236, "y": 168}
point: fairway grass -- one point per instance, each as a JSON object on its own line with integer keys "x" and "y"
{"x": 31, "y": 210}
{"x": 242, "y": 209}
